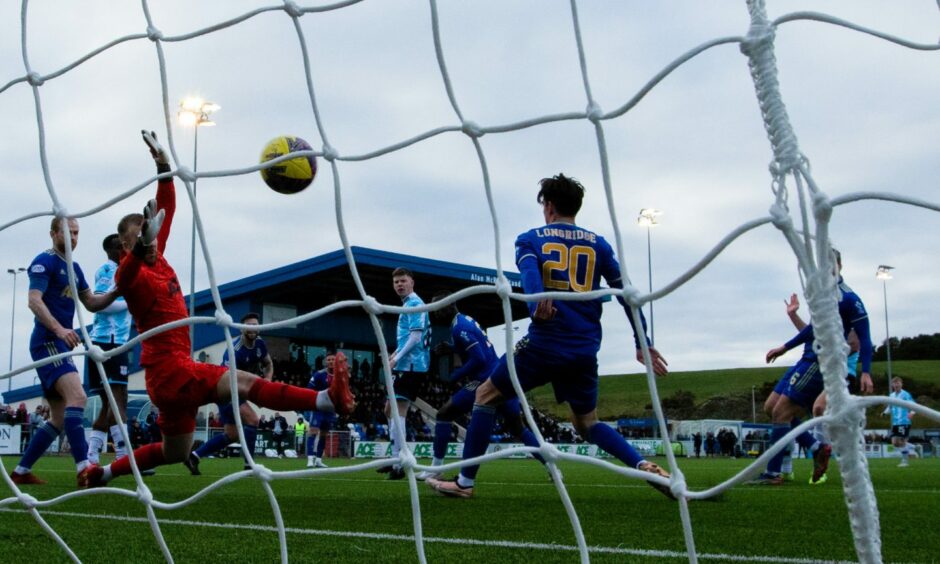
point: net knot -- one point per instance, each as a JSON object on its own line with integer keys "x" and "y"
{"x": 186, "y": 175}
{"x": 471, "y": 129}
{"x": 262, "y": 473}
{"x": 144, "y": 495}
{"x": 372, "y": 305}
{"x": 292, "y": 9}
{"x": 96, "y": 353}
{"x": 60, "y": 211}
{"x": 503, "y": 287}
{"x": 631, "y": 295}
{"x": 677, "y": 486}
{"x": 594, "y": 112}
{"x": 154, "y": 34}
{"x": 27, "y": 500}
{"x": 407, "y": 459}
{"x": 780, "y": 217}
{"x": 223, "y": 319}
{"x": 34, "y": 79}
{"x": 759, "y": 35}
{"x": 822, "y": 207}
{"x": 329, "y": 153}
{"x": 548, "y": 452}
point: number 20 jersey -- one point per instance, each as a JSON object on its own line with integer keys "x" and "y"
{"x": 568, "y": 258}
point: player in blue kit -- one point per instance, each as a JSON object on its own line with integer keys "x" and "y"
{"x": 478, "y": 360}
{"x": 251, "y": 355}
{"x": 320, "y": 422}
{"x": 410, "y": 361}
{"x": 802, "y": 384}
{"x": 52, "y": 302}
{"x": 563, "y": 340}
{"x": 110, "y": 330}
{"x": 900, "y": 419}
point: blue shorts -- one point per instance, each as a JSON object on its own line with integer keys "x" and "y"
{"x": 804, "y": 383}
{"x": 462, "y": 401}
{"x": 50, "y": 373}
{"x": 319, "y": 419}
{"x": 572, "y": 376}
{"x": 226, "y": 415}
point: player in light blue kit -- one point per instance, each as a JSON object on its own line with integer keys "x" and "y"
{"x": 563, "y": 340}
{"x": 251, "y": 355}
{"x": 319, "y": 422}
{"x": 410, "y": 360}
{"x": 111, "y": 329}
{"x": 802, "y": 384}
{"x": 900, "y": 420}
{"x": 478, "y": 360}
{"x": 52, "y": 302}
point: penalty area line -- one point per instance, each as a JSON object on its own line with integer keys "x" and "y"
{"x": 652, "y": 553}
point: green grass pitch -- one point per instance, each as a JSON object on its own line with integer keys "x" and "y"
{"x": 516, "y": 516}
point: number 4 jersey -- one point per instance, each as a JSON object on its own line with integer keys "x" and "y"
{"x": 567, "y": 258}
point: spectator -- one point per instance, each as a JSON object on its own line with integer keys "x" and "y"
{"x": 279, "y": 432}
{"x": 697, "y": 442}
{"x": 137, "y": 434}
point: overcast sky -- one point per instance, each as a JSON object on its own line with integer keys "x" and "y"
{"x": 865, "y": 113}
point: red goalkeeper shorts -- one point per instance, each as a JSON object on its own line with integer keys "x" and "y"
{"x": 179, "y": 386}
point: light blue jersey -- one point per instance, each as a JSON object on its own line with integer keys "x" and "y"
{"x": 901, "y": 415}
{"x": 418, "y": 358}
{"x": 112, "y": 326}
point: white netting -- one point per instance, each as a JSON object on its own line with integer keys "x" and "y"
{"x": 809, "y": 243}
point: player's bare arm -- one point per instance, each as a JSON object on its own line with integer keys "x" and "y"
{"x": 96, "y": 302}
{"x": 544, "y": 311}
{"x": 793, "y": 306}
{"x": 775, "y": 353}
{"x": 42, "y": 313}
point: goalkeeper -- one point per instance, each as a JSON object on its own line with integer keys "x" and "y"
{"x": 177, "y": 384}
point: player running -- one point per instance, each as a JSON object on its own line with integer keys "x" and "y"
{"x": 901, "y": 418}
{"x": 52, "y": 302}
{"x": 478, "y": 360}
{"x": 563, "y": 340}
{"x": 176, "y": 383}
{"x": 251, "y": 355}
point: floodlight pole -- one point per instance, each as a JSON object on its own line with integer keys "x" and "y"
{"x": 884, "y": 274}
{"x": 648, "y": 217}
{"x": 195, "y": 112}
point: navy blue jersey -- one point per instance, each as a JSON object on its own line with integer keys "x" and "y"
{"x": 319, "y": 380}
{"x": 567, "y": 258}
{"x": 854, "y": 316}
{"x": 49, "y": 274}
{"x": 248, "y": 359}
{"x": 476, "y": 352}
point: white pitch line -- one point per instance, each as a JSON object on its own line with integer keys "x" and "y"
{"x": 445, "y": 540}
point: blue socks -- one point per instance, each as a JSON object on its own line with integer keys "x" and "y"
{"x": 610, "y": 440}
{"x": 528, "y": 438}
{"x": 777, "y": 433}
{"x": 75, "y": 432}
{"x": 442, "y": 431}
{"x": 324, "y": 430}
{"x": 251, "y": 434}
{"x": 44, "y": 436}
{"x": 482, "y": 419}
{"x": 804, "y": 439}
{"x": 213, "y": 445}
{"x": 311, "y": 439}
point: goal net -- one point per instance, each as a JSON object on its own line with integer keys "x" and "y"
{"x": 800, "y": 211}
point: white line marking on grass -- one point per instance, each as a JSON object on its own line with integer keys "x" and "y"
{"x": 444, "y": 540}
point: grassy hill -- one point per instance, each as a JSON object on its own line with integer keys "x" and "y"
{"x": 722, "y": 394}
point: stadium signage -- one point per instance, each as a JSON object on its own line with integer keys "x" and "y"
{"x": 10, "y": 439}
{"x": 383, "y": 449}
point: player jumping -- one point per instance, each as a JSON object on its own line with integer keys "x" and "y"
{"x": 176, "y": 383}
